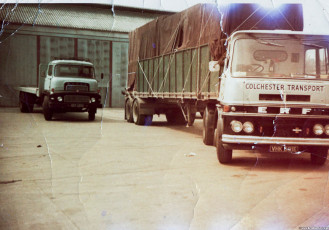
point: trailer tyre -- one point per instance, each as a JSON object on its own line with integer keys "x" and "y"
{"x": 47, "y": 112}
{"x": 208, "y": 125}
{"x": 128, "y": 111}
{"x": 319, "y": 155}
{"x": 138, "y": 118}
{"x": 224, "y": 156}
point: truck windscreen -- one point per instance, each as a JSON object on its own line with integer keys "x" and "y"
{"x": 280, "y": 58}
{"x": 78, "y": 71}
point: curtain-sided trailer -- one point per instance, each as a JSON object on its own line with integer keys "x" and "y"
{"x": 252, "y": 83}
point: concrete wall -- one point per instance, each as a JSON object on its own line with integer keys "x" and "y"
{"x": 21, "y": 54}
{"x": 18, "y": 66}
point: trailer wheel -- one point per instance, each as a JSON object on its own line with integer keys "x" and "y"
{"x": 224, "y": 156}
{"x": 319, "y": 156}
{"x": 47, "y": 112}
{"x": 138, "y": 118}
{"x": 175, "y": 117}
{"x": 128, "y": 111}
{"x": 26, "y": 102}
{"x": 208, "y": 125}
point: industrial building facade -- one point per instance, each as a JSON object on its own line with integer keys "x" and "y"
{"x": 35, "y": 34}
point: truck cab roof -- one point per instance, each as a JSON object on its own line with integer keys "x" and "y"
{"x": 277, "y": 32}
{"x": 73, "y": 62}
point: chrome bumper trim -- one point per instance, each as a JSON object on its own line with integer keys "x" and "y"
{"x": 235, "y": 139}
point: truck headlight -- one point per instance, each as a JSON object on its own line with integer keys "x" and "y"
{"x": 60, "y": 99}
{"x": 236, "y": 126}
{"x": 318, "y": 129}
{"x": 248, "y": 127}
{"x": 326, "y": 129}
{"x": 93, "y": 99}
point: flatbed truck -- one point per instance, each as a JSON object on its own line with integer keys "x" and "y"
{"x": 64, "y": 85}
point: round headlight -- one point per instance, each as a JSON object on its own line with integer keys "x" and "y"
{"x": 318, "y": 129}
{"x": 326, "y": 129}
{"x": 93, "y": 99}
{"x": 248, "y": 127}
{"x": 236, "y": 126}
{"x": 59, "y": 99}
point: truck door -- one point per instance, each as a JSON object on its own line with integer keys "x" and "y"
{"x": 42, "y": 77}
{"x": 49, "y": 75}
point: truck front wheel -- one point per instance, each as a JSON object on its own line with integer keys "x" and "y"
{"x": 91, "y": 114}
{"x": 224, "y": 155}
{"x": 47, "y": 112}
{"x": 208, "y": 125}
{"x": 319, "y": 155}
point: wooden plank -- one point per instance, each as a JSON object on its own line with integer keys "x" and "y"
{"x": 179, "y": 72}
{"x": 194, "y": 58}
{"x": 161, "y": 68}
{"x": 172, "y": 73}
{"x": 187, "y": 71}
{"x": 151, "y": 74}
{"x": 204, "y": 70}
{"x": 166, "y": 72}
{"x": 156, "y": 75}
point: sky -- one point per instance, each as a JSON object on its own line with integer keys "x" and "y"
{"x": 316, "y": 12}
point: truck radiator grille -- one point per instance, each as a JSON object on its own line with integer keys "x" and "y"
{"x": 76, "y": 86}
{"x": 76, "y": 98}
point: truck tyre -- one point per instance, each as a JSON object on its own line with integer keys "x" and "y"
{"x": 208, "y": 125}
{"x": 47, "y": 112}
{"x": 26, "y": 102}
{"x": 224, "y": 156}
{"x": 319, "y": 155}
{"x": 91, "y": 115}
{"x": 138, "y": 118}
{"x": 128, "y": 111}
{"x": 23, "y": 107}
{"x": 175, "y": 117}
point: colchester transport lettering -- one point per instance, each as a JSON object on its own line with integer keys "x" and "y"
{"x": 302, "y": 88}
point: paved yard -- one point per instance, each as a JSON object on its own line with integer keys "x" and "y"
{"x": 71, "y": 173}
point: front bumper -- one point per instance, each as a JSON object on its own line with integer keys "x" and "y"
{"x": 255, "y": 140}
{"x": 74, "y": 101}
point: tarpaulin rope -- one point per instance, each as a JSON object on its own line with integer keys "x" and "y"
{"x": 166, "y": 76}
{"x": 195, "y": 49}
{"x": 145, "y": 76}
{"x": 160, "y": 62}
{"x": 248, "y": 19}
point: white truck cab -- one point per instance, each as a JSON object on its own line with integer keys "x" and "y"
{"x": 274, "y": 94}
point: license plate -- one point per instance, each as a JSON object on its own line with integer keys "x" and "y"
{"x": 77, "y": 105}
{"x": 282, "y": 148}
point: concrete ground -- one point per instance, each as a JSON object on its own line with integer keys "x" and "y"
{"x": 71, "y": 173}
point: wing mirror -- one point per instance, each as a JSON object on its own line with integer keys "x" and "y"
{"x": 214, "y": 66}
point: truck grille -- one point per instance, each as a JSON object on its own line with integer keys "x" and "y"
{"x": 76, "y": 98}
{"x": 76, "y": 86}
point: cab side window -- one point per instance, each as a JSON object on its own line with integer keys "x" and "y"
{"x": 50, "y": 70}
